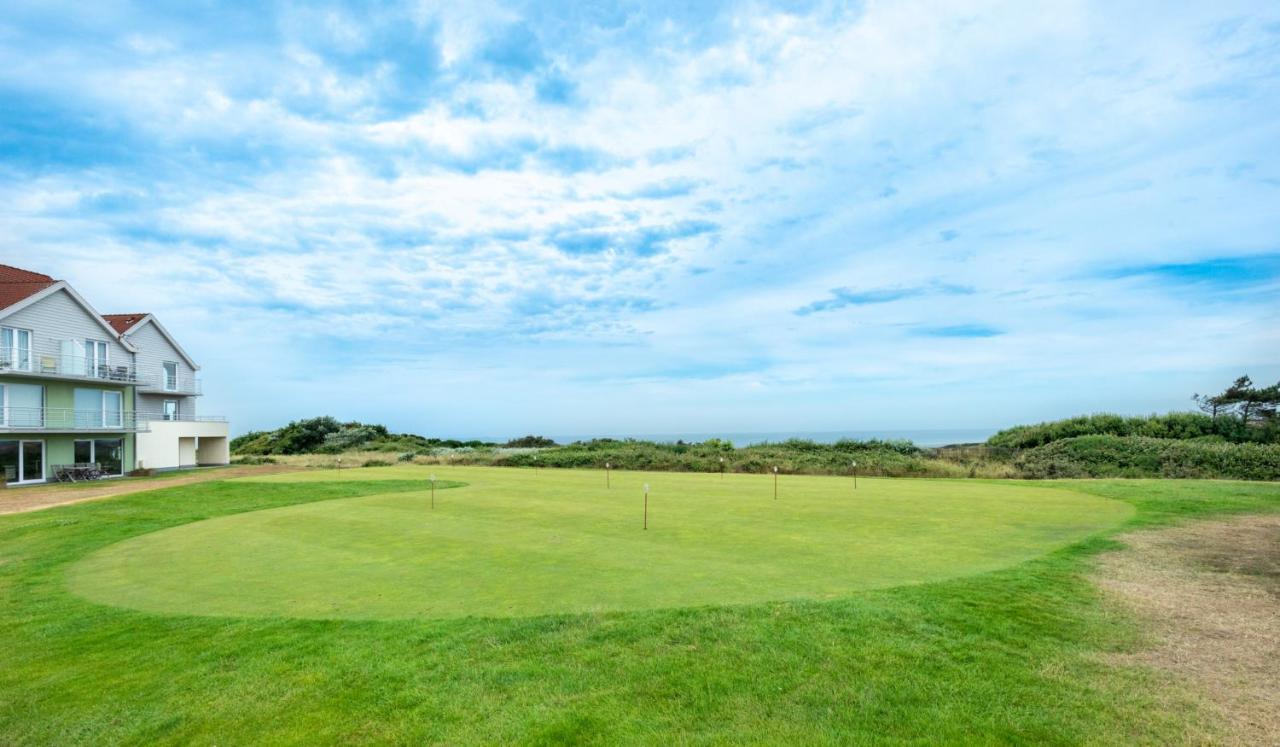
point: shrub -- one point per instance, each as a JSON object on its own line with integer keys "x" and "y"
{"x": 1174, "y": 425}
{"x": 376, "y": 463}
{"x": 530, "y": 442}
{"x": 1140, "y": 456}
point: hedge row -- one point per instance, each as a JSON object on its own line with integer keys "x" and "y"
{"x": 1175, "y": 425}
{"x": 1138, "y": 456}
{"x": 883, "y": 458}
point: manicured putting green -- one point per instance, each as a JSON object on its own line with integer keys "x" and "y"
{"x": 514, "y": 543}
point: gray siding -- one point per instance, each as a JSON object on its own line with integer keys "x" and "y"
{"x": 151, "y": 406}
{"x": 58, "y": 317}
{"x": 153, "y": 352}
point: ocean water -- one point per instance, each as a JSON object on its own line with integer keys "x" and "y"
{"x": 924, "y": 437}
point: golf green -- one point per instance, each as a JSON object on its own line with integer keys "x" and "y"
{"x": 514, "y": 542}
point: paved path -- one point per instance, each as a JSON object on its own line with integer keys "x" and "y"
{"x": 19, "y": 500}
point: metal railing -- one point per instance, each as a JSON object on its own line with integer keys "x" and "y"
{"x": 164, "y": 384}
{"x": 157, "y": 417}
{"x": 65, "y": 419}
{"x": 64, "y": 358}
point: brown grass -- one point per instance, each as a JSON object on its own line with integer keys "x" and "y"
{"x": 1211, "y": 594}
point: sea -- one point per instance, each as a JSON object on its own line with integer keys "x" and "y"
{"x": 923, "y": 437}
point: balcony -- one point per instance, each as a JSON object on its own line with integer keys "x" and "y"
{"x": 182, "y": 386}
{"x": 65, "y": 420}
{"x": 64, "y": 359}
{"x": 155, "y": 418}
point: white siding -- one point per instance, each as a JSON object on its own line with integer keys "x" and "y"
{"x": 58, "y": 317}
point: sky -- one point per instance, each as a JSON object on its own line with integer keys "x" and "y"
{"x": 490, "y": 218}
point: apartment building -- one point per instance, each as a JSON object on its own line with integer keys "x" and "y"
{"x": 79, "y": 388}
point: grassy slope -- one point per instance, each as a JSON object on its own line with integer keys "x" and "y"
{"x": 515, "y": 544}
{"x": 1008, "y": 656}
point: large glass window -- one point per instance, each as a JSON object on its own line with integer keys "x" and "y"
{"x": 22, "y": 461}
{"x": 9, "y": 460}
{"x": 95, "y": 358}
{"x": 171, "y": 409}
{"x": 22, "y": 405}
{"x": 99, "y": 408}
{"x": 15, "y": 348}
{"x": 112, "y": 409}
{"x": 109, "y": 454}
{"x": 171, "y": 377}
{"x": 32, "y": 460}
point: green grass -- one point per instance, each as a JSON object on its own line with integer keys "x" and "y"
{"x": 1014, "y": 655}
{"x": 513, "y": 543}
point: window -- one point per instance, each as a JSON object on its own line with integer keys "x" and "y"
{"x": 22, "y": 461}
{"x": 171, "y": 377}
{"x": 21, "y": 406}
{"x": 171, "y": 409}
{"x": 95, "y": 358}
{"x": 107, "y": 453}
{"x": 99, "y": 408}
{"x": 15, "y": 348}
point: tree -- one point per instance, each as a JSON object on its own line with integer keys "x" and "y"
{"x": 1254, "y": 406}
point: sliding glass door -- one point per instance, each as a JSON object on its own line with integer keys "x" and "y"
{"x": 107, "y": 453}
{"x": 22, "y": 461}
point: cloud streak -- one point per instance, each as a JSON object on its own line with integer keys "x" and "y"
{"x": 525, "y": 217}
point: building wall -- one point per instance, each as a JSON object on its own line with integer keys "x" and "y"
{"x": 162, "y": 446}
{"x": 151, "y": 405}
{"x": 153, "y": 352}
{"x": 58, "y": 317}
{"x": 60, "y": 447}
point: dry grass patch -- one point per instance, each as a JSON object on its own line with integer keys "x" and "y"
{"x": 1211, "y": 592}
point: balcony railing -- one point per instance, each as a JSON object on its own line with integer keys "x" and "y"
{"x": 65, "y": 358}
{"x": 64, "y": 419}
{"x": 161, "y": 418}
{"x": 165, "y": 384}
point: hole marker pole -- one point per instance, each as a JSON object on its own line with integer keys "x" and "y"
{"x": 855, "y": 474}
{"x": 646, "y": 506}
{"x": 721, "y": 468}
{"x": 433, "y": 492}
{"x": 775, "y": 483}
{"x": 606, "y": 475}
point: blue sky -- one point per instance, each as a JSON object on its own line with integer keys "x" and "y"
{"x": 490, "y": 218}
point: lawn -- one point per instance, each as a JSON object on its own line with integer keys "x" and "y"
{"x": 998, "y": 635}
{"x": 515, "y": 543}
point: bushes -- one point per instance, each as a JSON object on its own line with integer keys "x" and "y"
{"x": 1175, "y": 425}
{"x": 791, "y": 457}
{"x": 1140, "y": 456}
{"x": 530, "y": 442}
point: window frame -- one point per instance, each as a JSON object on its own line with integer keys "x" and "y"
{"x": 14, "y": 347}
{"x": 164, "y": 368}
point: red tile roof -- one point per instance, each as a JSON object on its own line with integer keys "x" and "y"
{"x": 122, "y": 322}
{"x": 17, "y": 284}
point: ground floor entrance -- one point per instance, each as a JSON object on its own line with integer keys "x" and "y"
{"x": 22, "y": 461}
